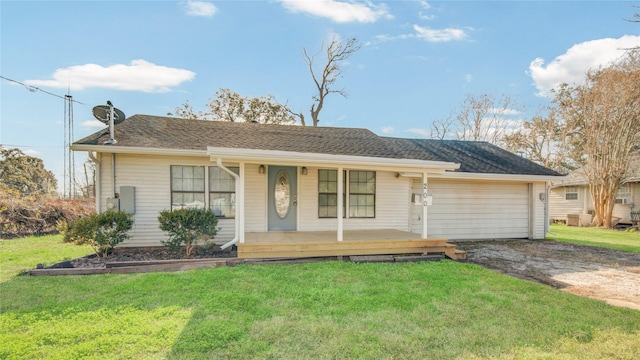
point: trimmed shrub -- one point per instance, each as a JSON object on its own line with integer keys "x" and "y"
{"x": 187, "y": 227}
{"x": 101, "y": 231}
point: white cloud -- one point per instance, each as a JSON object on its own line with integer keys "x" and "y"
{"x": 571, "y": 67}
{"x": 31, "y": 152}
{"x": 468, "y": 78}
{"x": 425, "y": 33}
{"x": 421, "y": 132}
{"x": 439, "y": 35}
{"x": 91, "y": 124}
{"x": 505, "y": 112}
{"x": 388, "y": 130}
{"x": 339, "y": 11}
{"x": 424, "y": 16}
{"x": 199, "y": 8}
{"x": 140, "y": 75}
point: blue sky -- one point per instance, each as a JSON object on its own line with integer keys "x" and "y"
{"x": 418, "y": 60}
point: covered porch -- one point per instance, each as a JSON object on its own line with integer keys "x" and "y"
{"x": 296, "y": 244}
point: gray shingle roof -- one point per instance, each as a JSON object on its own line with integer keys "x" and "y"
{"x": 173, "y": 133}
{"x": 578, "y": 176}
{"x": 160, "y": 132}
{"x": 473, "y": 156}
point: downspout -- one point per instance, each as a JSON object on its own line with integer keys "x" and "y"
{"x": 98, "y": 188}
{"x": 546, "y": 209}
{"x": 113, "y": 174}
{"x": 237, "y": 222}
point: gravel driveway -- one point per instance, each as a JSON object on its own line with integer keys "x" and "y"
{"x": 609, "y": 275}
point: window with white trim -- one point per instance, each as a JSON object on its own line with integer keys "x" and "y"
{"x": 571, "y": 193}
{"x": 327, "y": 193}
{"x": 623, "y": 195}
{"x": 361, "y": 187}
{"x": 187, "y": 187}
{"x": 362, "y": 194}
{"x": 222, "y": 192}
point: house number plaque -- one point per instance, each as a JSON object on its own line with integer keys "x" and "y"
{"x": 427, "y": 199}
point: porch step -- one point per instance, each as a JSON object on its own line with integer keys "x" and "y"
{"x": 371, "y": 258}
{"x": 343, "y": 248}
{"x": 392, "y": 258}
{"x": 452, "y": 252}
{"x": 414, "y": 258}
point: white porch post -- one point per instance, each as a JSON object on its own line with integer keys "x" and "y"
{"x": 340, "y": 204}
{"x": 424, "y": 205}
{"x": 240, "y": 204}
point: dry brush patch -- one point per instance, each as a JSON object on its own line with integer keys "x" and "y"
{"x": 38, "y": 215}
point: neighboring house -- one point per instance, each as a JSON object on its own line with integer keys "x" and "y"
{"x": 570, "y": 196}
{"x": 284, "y": 183}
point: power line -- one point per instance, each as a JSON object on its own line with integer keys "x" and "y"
{"x": 32, "y": 146}
{"x": 35, "y": 88}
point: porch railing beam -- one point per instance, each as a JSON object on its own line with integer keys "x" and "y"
{"x": 340, "y": 204}
{"x": 424, "y": 204}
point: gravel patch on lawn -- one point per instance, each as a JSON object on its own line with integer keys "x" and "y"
{"x": 604, "y": 274}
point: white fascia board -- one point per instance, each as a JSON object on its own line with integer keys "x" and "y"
{"x": 138, "y": 150}
{"x": 496, "y": 177}
{"x": 301, "y": 159}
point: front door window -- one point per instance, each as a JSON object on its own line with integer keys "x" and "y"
{"x": 282, "y": 194}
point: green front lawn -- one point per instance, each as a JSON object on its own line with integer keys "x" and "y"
{"x": 428, "y": 310}
{"x": 22, "y": 254}
{"x": 592, "y": 236}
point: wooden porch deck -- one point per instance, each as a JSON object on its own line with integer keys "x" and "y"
{"x": 295, "y": 244}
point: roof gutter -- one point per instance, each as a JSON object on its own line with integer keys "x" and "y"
{"x": 281, "y": 157}
{"x": 503, "y": 177}
{"x": 295, "y": 158}
{"x": 137, "y": 150}
{"x": 237, "y": 222}
{"x": 98, "y": 176}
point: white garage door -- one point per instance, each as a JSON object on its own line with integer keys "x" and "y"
{"x": 476, "y": 210}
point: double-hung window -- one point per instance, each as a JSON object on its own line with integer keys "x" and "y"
{"x": 222, "y": 192}
{"x": 327, "y": 193}
{"x": 362, "y": 194}
{"x": 187, "y": 187}
{"x": 571, "y": 193}
{"x": 623, "y": 194}
{"x": 361, "y": 187}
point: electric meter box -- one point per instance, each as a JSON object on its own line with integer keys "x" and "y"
{"x": 128, "y": 199}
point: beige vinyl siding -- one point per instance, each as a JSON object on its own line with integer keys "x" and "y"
{"x": 255, "y": 199}
{"x": 477, "y": 209}
{"x": 392, "y": 211}
{"x": 151, "y": 177}
{"x": 559, "y": 207}
{"x": 539, "y": 219}
{"x": 623, "y": 211}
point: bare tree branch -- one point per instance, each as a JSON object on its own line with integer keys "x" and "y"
{"x": 337, "y": 53}
{"x": 604, "y": 115}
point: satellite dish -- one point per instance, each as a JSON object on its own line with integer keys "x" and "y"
{"x": 102, "y": 112}
{"x": 111, "y": 116}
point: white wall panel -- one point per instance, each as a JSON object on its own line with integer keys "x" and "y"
{"x": 476, "y": 209}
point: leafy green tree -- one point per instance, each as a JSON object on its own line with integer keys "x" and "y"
{"x": 541, "y": 139}
{"x": 25, "y": 174}
{"x": 228, "y": 105}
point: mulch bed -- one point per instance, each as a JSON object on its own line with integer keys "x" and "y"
{"x": 150, "y": 259}
{"x": 158, "y": 258}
